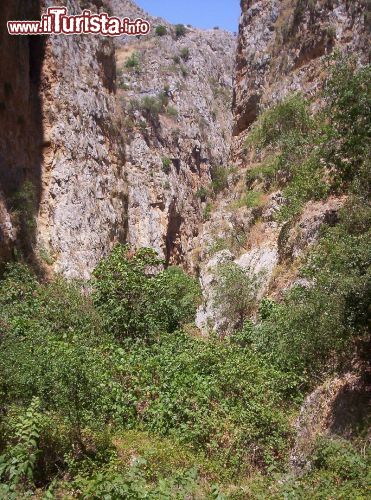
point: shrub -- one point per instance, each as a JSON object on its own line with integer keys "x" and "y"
{"x": 133, "y": 62}
{"x": 184, "y": 71}
{"x": 166, "y": 164}
{"x": 252, "y": 199}
{"x": 49, "y": 347}
{"x": 180, "y": 30}
{"x": 202, "y": 193}
{"x": 18, "y": 463}
{"x": 219, "y": 176}
{"x": 136, "y": 298}
{"x": 153, "y": 105}
{"x": 161, "y": 30}
{"x": 347, "y": 95}
{"x": 235, "y": 293}
{"x": 171, "y": 111}
{"x": 184, "y": 53}
{"x": 287, "y": 116}
{"x": 313, "y": 328}
{"x": 320, "y": 155}
{"x": 202, "y": 392}
{"x": 207, "y": 211}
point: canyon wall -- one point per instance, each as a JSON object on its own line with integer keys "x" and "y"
{"x": 175, "y": 91}
{"x": 62, "y": 153}
{"x": 98, "y": 158}
{"x": 282, "y": 49}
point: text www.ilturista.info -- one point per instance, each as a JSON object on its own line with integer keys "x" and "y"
{"x": 56, "y": 21}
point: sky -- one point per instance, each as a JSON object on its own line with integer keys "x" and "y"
{"x": 198, "y": 13}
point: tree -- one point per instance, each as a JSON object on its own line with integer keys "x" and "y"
{"x": 137, "y": 298}
{"x": 235, "y": 293}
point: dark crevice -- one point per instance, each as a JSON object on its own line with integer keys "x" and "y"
{"x": 21, "y": 137}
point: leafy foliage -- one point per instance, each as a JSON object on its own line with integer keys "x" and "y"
{"x": 180, "y": 30}
{"x": 235, "y": 293}
{"x": 161, "y": 30}
{"x": 137, "y": 299}
{"x": 18, "y": 463}
{"x": 311, "y": 157}
{"x": 133, "y": 62}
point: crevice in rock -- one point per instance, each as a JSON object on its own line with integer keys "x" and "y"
{"x": 173, "y": 250}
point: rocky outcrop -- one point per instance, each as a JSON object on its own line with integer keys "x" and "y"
{"x": 62, "y": 140}
{"x": 83, "y": 203}
{"x": 336, "y": 408}
{"x": 281, "y": 49}
{"x": 281, "y": 46}
{"x": 176, "y": 93}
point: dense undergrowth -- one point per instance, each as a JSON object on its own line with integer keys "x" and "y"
{"x": 107, "y": 391}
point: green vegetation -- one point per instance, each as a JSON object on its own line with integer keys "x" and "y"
{"x": 219, "y": 176}
{"x": 166, "y": 164}
{"x": 161, "y": 30}
{"x": 202, "y": 193}
{"x": 184, "y": 53}
{"x": 251, "y": 199}
{"x": 314, "y": 156}
{"x": 153, "y": 106}
{"x": 133, "y": 62}
{"x": 171, "y": 111}
{"x": 108, "y": 391}
{"x": 180, "y": 30}
{"x": 207, "y": 211}
{"x": 235, "y": 293}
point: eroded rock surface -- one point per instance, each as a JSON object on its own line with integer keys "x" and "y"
{"x": 281, "y": 49}
{"x": 176, "y": 94}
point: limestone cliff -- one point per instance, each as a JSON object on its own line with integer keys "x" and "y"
{"x": 92, "y": 159}
{"x": 175, "y": 92}
{"x": 281, "y": 49}
{"x": 62, "y": 142}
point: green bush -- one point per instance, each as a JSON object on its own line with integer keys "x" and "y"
{"x": 202, "y": 193}
{"x": 314, "y": 156}
{"x": 235, "y": 293}
{"x": 166, "y": 164}
{"x": 18, "y": 463}
{"x": 133, "y": 62}
{"x": 207, "y": 394}
{"x": 171, "y": 111}
{"x": 348, "y": 98}
{"x": 136, "y": 298}
{"x": 219, "y": 176}
{"x": 161, "y": 30}
{"x": 287, "y": 116}
{"x": 184, "y": 53}
{"x": 313, "y": 328}
{"x": 180, "y": 30}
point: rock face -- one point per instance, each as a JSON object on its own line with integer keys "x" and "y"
{"x": 281, "y": 45}
{"x": 281, "y": 49}
{"x": 82, "y": 207}
{"x": 335, "y": 408}
{"x": 176, "y": 94}
{"x": 61, "y": 139}
{"x": 21, "y": 128}
{"x": 98, "y": 166}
